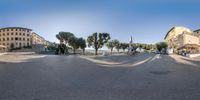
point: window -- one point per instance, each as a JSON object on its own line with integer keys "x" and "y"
{"x": 7, "y": 33}
{"x": 7, "y": 39}
{"x": 11, "y": 33}
{"x": 20, "y": 44}
{"x": 16, "y": 33}
{"x": 0, "y": 34}
{"x": 11, "y": 29}
{"x": 7, "y": 43}
{"x": 16, "y": 38}
{"x": 11, "y": 38}
{"x": 12, "y": 45}
{"x": 3, "y": 43}
{"x": 27, "y": 34}
{"x": 28, "y": 39}
{"x": 20, "y": 33}
{"x": 7, "y": 29}
{"x": 20, "y": 39}
{"x": 27, "y": 44}
{"x": 0, "y": 39}
{"x": 23, "y": 39}
{"x": 3, "y": 39}
{"x": 16, "y": 29}
{"x": 3, "y": 34}
{"x": 23, "y": 34}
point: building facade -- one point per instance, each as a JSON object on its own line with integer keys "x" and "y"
{"x": 15, "y": 37}
{"x": 19, "y": 37}
{"x": 183, "y": 39}
{"x": 3, "y": 48}
{"x": 37, "y": 39}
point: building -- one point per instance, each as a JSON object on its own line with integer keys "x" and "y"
{"x": 3, "y": 48}
{"x": 183, "y": 39}
{"x": 19, "y": 37}
{"x": 37, "y": 39}
{"x": 15, "y": 37}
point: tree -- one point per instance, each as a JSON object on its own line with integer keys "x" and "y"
{"x": 124, "y": 46}
{"x": 97, "y": 40}
{"x": 161, "y": 45}
{"x": 82, "y": 44}
{"x": 61, "y": 49}
{"x": 64, "y": 36}
{"x": 59, "y": 38}
{"x": 117, "y": 45}
{"x": 110, "y": 45}
{"x": 74, "y": 43}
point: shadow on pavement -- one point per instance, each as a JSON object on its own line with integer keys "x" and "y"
{"x": 121, "y": 61}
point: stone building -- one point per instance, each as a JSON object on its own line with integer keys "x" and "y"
{"x": 37, "y": 39}
{"x": 15, "y": 37}
{"x": 183, "y": 39}
{"x": 3, "y": 48}
{"x": 19, "y": 37}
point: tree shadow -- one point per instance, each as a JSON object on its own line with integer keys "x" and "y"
{"x": 121, "y": 60}
{"x": 14, "y": 59}
{"x": 184, "y": 61}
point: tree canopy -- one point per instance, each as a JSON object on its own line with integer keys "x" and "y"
{"x": 161, "y": 45}
{"x": 97, "y": 40}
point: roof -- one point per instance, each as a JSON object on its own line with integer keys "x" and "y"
{"x": 185, "y": 28}
{"x": 37, "y": 35}
{"x": 197, "y": 30}
{"x": 169, "y": 32}
{"x": 15, "y": 28}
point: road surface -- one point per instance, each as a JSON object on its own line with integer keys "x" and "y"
{"x": 140, "y": 77}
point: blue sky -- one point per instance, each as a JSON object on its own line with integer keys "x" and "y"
{"x": 146, "y": 20}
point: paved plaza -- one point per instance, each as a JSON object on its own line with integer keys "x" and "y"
{"x": 139, "y": 77}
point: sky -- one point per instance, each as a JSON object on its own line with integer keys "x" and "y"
{"x": 147, "y": 21}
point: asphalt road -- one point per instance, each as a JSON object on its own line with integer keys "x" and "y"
{"x": 75, "y": 78}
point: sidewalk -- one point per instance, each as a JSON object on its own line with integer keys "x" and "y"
{"x": 3, "y": 53}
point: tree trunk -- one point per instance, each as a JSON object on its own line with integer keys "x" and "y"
{"x": 111, "y": 50}
{"x": 96, "y": 51}
{"x": 74, "y": 51}
{"x": 83, "y": 51}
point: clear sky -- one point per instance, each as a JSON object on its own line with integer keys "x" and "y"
{"x": 146, "y": 20}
